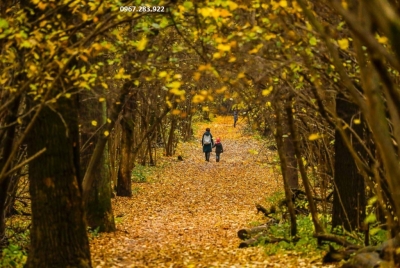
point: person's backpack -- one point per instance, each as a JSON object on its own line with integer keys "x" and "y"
{"x": 207, "y": 139}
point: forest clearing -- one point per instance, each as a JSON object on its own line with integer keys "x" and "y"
{"x": 114, "y": 115}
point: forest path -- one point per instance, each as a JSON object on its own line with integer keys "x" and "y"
{"x": 189, "y": 213}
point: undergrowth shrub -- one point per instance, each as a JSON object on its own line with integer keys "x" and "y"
{"x": 13, "y": 256}
{"x": 141, "y": 173}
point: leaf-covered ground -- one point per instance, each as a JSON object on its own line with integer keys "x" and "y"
{"x": 189, "y": 212}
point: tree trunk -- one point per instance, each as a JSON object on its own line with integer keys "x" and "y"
{"x": 349, "y": 195}
{"x": 124, "y": 184}
{"x": 284, "y": 168}
{"x": 97, "y": 195}
{"x": 58, "y": 233}
{"x": 170, "y": 144}
{"x": 99, "y": 212}
{"x": 292, "y": 174}
{"x": 4, "y": 185}
{"x": 306, "y": 183}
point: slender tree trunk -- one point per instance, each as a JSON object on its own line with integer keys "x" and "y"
{"x": 349, "y": 196}
{"x": 99, "y": 212}
{"x": 58, "y": 233}
{"x": 292, "y": 174}
{"x": 4, "y": 185}
{"x": 12, "y": 195}
{"x": 124, "y": 184}
{"x": 170, "y": 144}
{"x": 97, "y": 180}
{"x": 284, "y": 167}
{"x": 306, "y": 182}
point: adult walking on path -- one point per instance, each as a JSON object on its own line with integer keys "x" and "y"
{"x": 235, "y": 117}
{"x": 207, "y": 142}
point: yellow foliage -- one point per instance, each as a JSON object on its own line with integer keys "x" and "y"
{"x": 177, "y": 92}
{"x": 175, "y": 84}
{"x": 343, "y": 43}
{"x": 176, "y": 112}
{"x": 382, "y": 39}
{"x": 269, "y": 36}
{"x": 268, "y": 91}
{"x": 223, "y": 47}
{"x": 315, "y": 136}
{"x": 206, "y": 11}
{"x": 198, "y": 98}
{"x": 196, "y": 76}
{"x": 232, "y": 5}
{"x": 205, "y": 67}
{"x": 283, "y": 3}
{"x": 217, "y": 55}
{"x": 225, "y": 13}
{"x": 162, "y": 74}
{"x": 142, "y": 43}
{"x": 221, "y": 90}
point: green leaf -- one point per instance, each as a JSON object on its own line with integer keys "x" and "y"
{"x": 371, "y": 218}
{"x": 3, "y": 24}
{"x": 313, "y": 41}
{"x": 188, "y": 5}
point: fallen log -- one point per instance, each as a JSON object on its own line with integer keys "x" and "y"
{"x": 336, "y": 239}
{"x": 261, "y": 237}
{"x": 251, "y": 242}
{"x": 247, "y": 233}
{"x": 385, "y": 255}
{"x": 366, "y": 260}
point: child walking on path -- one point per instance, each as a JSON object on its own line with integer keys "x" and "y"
{"x": 218, "y": 148}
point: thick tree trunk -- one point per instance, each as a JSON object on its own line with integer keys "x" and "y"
{"x": 58, "y": 233}
{"x": 349, "y": 195}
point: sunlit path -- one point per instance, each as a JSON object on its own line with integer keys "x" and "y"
{"x": 189, "y": 216}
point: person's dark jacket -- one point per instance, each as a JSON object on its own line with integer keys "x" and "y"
{"x": 207, "y": 147}
{"x": 218, "y": 148}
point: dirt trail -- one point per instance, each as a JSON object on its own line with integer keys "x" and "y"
{"x": 190, "y": 212}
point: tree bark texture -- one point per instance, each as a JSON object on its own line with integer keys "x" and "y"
{"x": 58, "y": 233}
{"x": 349, "y": 194}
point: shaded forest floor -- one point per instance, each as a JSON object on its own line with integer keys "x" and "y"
{"x": 188, "y": 212}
